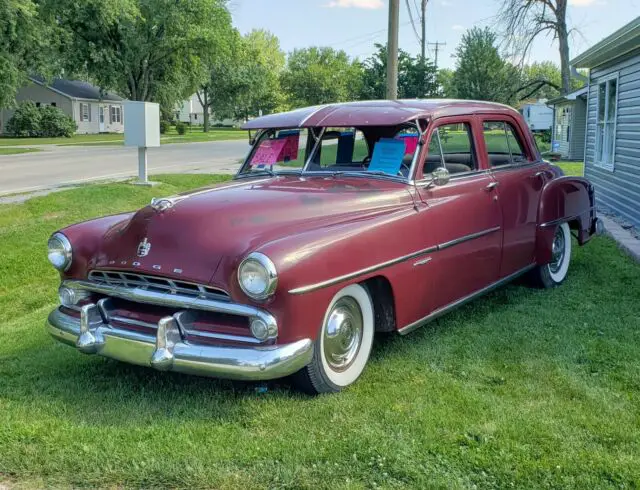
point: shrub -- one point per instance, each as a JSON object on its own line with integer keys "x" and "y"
{"x": 164, "y": 126}
{"x": 25, "y": 120}
{"x": 55, "y": 123}
{"x": 181, "y": 128}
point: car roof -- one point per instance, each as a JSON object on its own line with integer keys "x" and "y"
{"x": 375, "y": 113}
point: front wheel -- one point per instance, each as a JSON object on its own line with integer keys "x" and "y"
{"x": 343, "y": 345}
{"x": 555, "y": 272}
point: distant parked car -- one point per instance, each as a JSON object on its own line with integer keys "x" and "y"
{"x": 344, "y": 220}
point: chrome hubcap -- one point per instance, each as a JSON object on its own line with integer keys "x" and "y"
{"x": 557, "y": 251}
{"x": 343, "y": 334}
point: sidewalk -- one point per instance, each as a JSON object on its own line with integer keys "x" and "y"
{"x": 625, "y": 238}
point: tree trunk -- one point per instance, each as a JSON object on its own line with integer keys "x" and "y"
{"x": 205, "y": 108}
{"x": 563, "y": 40}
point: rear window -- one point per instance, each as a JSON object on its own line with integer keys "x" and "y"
{"x": 503, "y": 144}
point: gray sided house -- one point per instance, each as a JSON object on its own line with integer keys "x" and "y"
{"x": 93, "y": 110}
{"x": 569, "y": 124}
{"x": 612, "y": 156}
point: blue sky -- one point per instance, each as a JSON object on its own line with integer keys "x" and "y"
{"x": 355, "y": 25}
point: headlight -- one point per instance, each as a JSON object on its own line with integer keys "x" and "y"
{"x": 59, "y": 251}
{"x": 257, "y": 276}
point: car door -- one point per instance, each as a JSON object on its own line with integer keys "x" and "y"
{"x": 463, "y": 214}
{"x": 520, "y": 177}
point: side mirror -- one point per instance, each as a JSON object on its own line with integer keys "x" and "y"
{"x": 441, "y": 176}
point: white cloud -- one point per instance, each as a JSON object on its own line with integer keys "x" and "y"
{"x": 359, "y": 4}
{"x": 457, "y": 27}
{"x": 586, "y": 3}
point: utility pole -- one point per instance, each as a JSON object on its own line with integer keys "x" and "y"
{"x": 437, "y": 45}
{"x": 392, "y": 50}
{"x": 424, "y": 28}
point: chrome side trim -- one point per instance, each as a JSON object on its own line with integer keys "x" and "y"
{"x": 166, "y": 351}
{"x": 565, "y": 219}
{"x": 452, "y": 306}
{"x": 423, "y": 261}
{"x": 179, "y": 301}
{"x": 373, "y": 268}
{"x": 466, "y": 238}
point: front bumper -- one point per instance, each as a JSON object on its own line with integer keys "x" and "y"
{"x": 167, "y": 351}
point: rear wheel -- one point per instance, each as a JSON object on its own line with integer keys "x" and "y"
{"x": 343, "y": 345}
{"x": 555, "y": 272}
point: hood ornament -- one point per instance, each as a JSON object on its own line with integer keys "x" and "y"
{"x": 161, "y": 204}
{"x": 144, "y": 247}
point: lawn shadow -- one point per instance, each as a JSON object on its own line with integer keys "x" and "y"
{"x": 99, "y": 391}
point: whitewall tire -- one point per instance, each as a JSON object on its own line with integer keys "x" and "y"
{"x": 344, "y": 343}
{"x": 555, "y": 272}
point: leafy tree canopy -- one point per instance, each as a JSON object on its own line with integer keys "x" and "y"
{"x": 25, "y": 46}
{"x": 416, "y": 77}
{"x": 481, "y": 73}
{"x": 320, "y": 75}
{"x": 148, "y": 50}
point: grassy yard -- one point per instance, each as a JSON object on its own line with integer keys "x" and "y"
{"x": 192, "y": 135}
{"x": 16, "y": 151}
{"x": 523, "y": 388}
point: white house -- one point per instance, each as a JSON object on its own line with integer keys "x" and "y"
{"x": 192, "y": 112}
{"x": 93, "y": 110}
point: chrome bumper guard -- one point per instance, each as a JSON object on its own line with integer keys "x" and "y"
{"x": 167, "y": 351}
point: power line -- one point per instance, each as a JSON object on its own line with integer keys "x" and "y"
{"x": 413, "y": 22}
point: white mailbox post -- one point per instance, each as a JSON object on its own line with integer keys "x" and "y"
{"x": 142, "y": 129}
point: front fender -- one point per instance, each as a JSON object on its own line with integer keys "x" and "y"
{"x": 564, "y": 200}
{"x": 86, "y": 238}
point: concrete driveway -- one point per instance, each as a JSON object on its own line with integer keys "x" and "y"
{"x": 57, "y": 166}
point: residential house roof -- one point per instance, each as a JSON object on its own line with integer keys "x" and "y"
{"x": 569, "y": 97}
{"x": 621, "y": 42}
{"x": 76, "y": 89}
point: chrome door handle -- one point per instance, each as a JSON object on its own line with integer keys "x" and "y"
{"x": 491, "y": 186}
{"x": 537, "y": 175}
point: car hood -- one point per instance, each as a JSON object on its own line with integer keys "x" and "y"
{"x": 190, "y": 238}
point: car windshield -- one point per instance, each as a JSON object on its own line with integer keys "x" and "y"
{"x": 382, "y": 151}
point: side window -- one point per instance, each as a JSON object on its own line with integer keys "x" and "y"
{"x": 451, "y": 145}
{"x": 503, "y": 145}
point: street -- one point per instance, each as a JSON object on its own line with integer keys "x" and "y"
{"x": 57, "y": 166}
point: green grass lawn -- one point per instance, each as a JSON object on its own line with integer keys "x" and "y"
{"x": 192, "y": 135}
{"x": 16, "y": 151}
{"x": 571, "y": 168}
{"x": 523, "y": 388}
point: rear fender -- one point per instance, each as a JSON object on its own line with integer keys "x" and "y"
{"x": 564, "y": 200}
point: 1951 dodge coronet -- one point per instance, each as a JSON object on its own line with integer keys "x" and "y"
{"x": 344, "y": 220}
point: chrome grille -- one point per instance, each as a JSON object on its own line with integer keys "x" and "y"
{"x": 158, "y": 284}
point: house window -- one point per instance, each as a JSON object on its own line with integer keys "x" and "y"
{"x": 53, "y": 104}
{"x": 116, "y": 113}
{"x": 85, "y": 112}
{"x": 606, "y": 123}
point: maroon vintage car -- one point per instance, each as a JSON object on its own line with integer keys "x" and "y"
{"x": 343, "y": 221}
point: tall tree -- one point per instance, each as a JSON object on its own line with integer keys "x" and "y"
{"x": 318, "y": 75}
{"x": 525, "y": 20}
{"x": 25, "y": 46}
{"x": 247, "y": 82}
{"x": 147, "y": 50}
{"x": 416, "y": 76}
{"x": 444, "y": 78}
{"x": 481, "y": 73}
